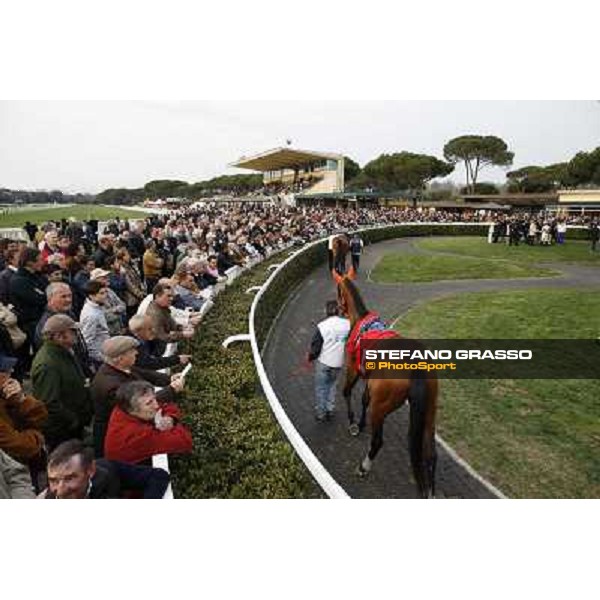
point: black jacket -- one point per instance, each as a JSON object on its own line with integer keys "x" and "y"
{"x": 28, "y": 295}
{"x": 224, "y": 262}
{"x": 100, "y": 257}
{"x": 149, "y": 356}
{"x": 5, "y": 277}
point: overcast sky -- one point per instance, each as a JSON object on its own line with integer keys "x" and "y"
{"x": 91, "y": 146}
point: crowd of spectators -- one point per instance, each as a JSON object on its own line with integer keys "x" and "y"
{"x": 86, "y": 318}
{"x": 535, "y": 229}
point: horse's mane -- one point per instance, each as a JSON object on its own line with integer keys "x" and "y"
{"x": 352, "y": 290}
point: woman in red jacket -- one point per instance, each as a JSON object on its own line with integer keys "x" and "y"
{"x": 140, "y": 427}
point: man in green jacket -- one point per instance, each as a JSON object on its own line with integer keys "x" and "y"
{"x": 60, "y": 383}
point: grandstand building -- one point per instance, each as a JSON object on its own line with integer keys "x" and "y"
{"x": 583, "y": 201}
{"x": 290, "y": 171}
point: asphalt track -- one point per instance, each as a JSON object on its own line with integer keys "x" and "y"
{"x": 340, "y": 453}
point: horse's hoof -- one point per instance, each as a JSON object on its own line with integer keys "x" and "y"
{"x": 353, "y": 430}
{"x": 361, "y": 472}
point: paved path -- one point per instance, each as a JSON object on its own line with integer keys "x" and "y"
{"x": 337, "y": 450}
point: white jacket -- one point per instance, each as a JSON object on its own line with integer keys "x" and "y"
{"x": 334, "y": 331}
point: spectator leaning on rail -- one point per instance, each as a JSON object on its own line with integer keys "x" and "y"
{"x": 120, "y": 354}
{"x": 164, "y": 324}
{"x": 186, "y": 290}
{"x": 59, "y": 381}
{"x": 73, "y": 474}
{"x": 140, "y": 427}
{"x": 327, "y": 349}
{"x": 149, "y": 352}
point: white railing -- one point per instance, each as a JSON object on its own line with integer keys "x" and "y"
{"x": 329, "y": 485}
{"x": 161, "y": 461}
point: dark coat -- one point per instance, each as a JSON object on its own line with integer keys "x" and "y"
{"x": 5, "y": 277}
{"x": 100, "y": 257}
{"x": 104, "y": 388}
{"x": 224, "y": 262}
{"x": 149, "y": 356}
{"x": 28, "y": 295}
{"x": 59, "y": 382}
{"x": 136, "y": 245}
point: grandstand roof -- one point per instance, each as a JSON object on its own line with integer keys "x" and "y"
{"x": 282, "y": 158}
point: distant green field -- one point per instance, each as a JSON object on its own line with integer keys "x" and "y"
{"x": 534, "y": 438}
{"x": 478, "y": 247}
{"x": 79, "y": 211}
{"x": 393, "y": 268}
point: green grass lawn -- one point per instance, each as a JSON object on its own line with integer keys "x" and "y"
{"x": 79, "y": 211}
{"x": 393, "y": 268}
{"x": 532, "y": 438}
{"x": 571, "y": 251}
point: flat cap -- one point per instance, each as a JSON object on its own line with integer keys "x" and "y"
{"x": 58, "y": 324}
{"x": 97, "y": 273}
{"x": 117, "y": 345}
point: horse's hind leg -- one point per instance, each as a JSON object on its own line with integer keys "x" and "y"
{"x": 376, "y": 443}
{"x": 365, "y": 405}
{"x": 351, "y": 379}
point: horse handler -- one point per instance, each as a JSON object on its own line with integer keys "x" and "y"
{"x": 356, "y": 248}
{"x": 327, "y": 351}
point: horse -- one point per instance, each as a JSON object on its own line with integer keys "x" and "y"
{"x": 383, "y": 396}
{"x": 340, "y": 247}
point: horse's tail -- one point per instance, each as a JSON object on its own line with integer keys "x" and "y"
{"x": 422, "y": 395}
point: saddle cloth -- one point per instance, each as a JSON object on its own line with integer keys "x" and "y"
{"x": 370, "y": 327}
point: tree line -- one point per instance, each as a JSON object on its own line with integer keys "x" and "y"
{"x": 402, "y": 171}
{"x": 414, "y": 172}
{"x": 43, "y": 197}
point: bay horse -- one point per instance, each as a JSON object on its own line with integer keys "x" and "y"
{"x": 340, "y": 247}
{"x": 383, "y": 396}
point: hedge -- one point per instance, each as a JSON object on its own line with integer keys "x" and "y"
{"x": 239, "y": 449}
